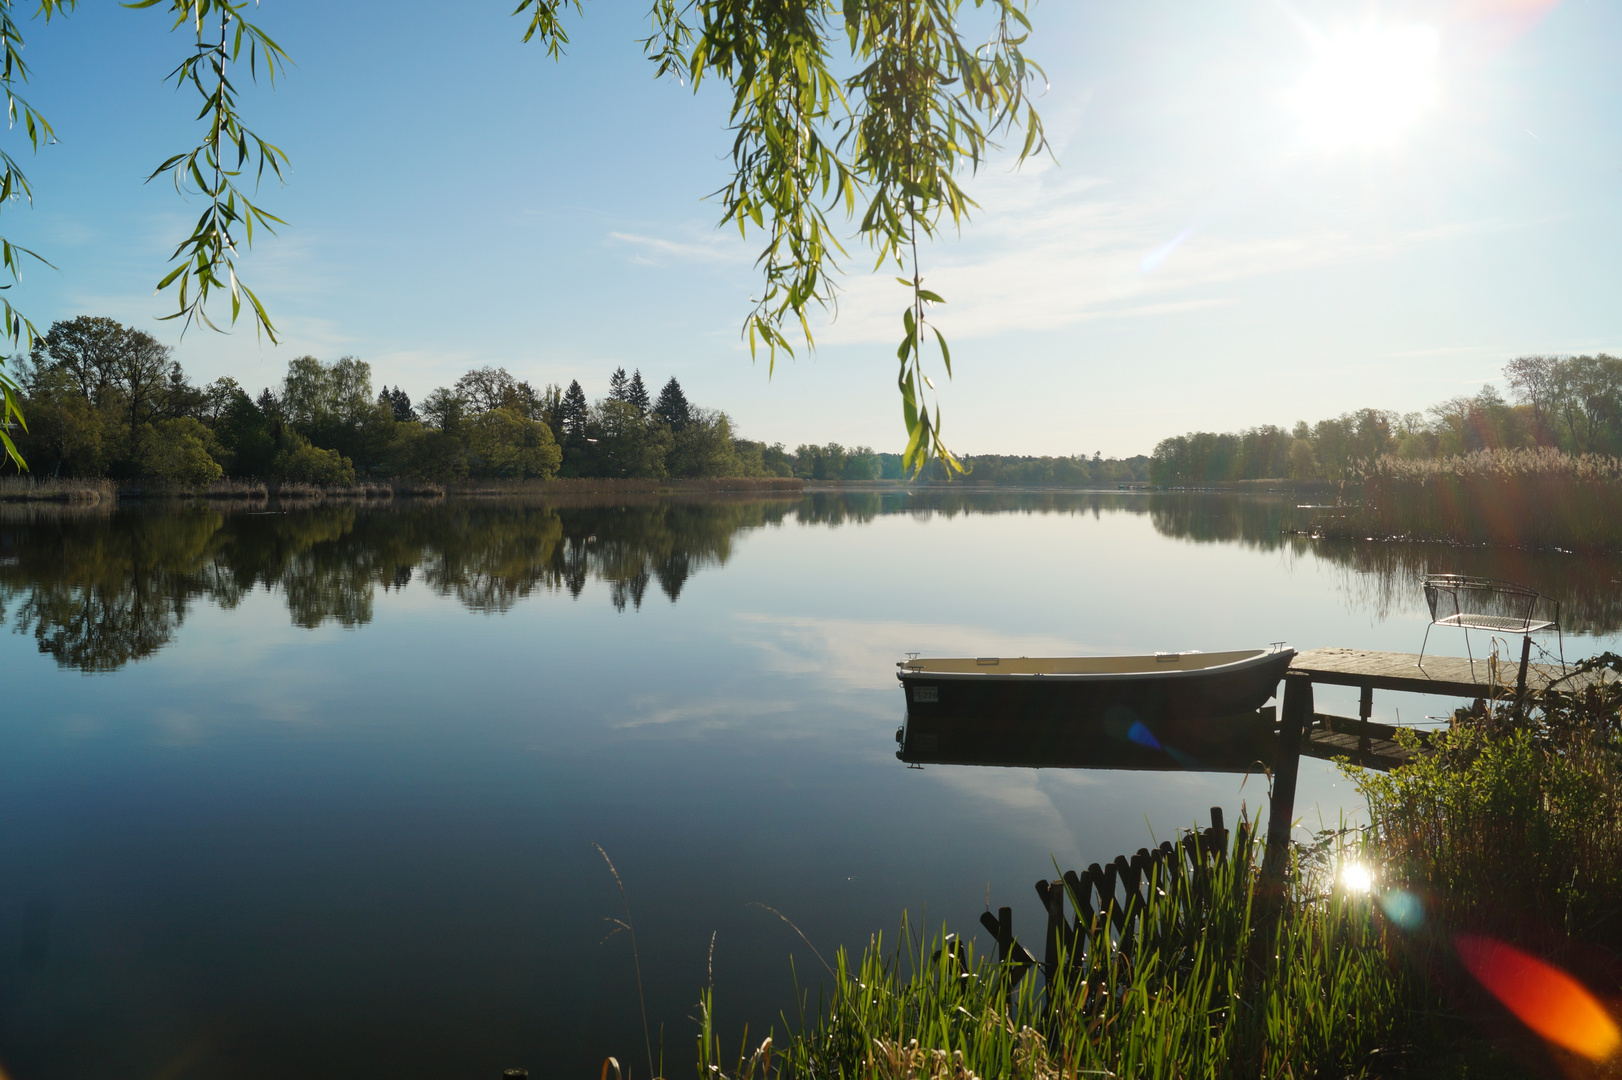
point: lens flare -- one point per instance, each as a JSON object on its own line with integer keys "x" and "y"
{"x": 1403, "y": 908}
{"x": 1357, "y": 878}
{"x": 1543, "y": 997}
{"x": 1142, "y": 735}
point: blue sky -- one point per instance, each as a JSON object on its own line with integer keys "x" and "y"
{"x": 1256, "y": 212}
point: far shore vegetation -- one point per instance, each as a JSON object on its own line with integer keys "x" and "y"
{"x": 107, "y": 402}
{"x": 1569, "y": 405}
{"x": 110, "y": 413}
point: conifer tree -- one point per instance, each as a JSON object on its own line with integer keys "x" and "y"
{"x": 619, "y": 386}
{"x": 672, "y": 407}
{"x": 637, "y": 393}
{"x": 574, "y": 410}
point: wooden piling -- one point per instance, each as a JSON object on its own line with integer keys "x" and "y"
{"x": 1365, "y": 710}
{"x": 1520, "y": 676}
{"x": 1297, "y": 713}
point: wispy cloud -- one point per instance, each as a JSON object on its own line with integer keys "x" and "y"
{"x": 713, "y": 247}
{"x": 1056, "y": 252}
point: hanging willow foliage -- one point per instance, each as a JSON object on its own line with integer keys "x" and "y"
{"x": 886, "y": 145}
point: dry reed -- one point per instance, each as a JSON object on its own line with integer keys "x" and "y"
{"x": 32, "y": 489}
{"x": 1527, "y": 497}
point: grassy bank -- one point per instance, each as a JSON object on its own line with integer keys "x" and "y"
{"x": 1216, "y": 980}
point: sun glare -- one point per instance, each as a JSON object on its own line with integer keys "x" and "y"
{"x": 1357, "y": 878}
{"x": 1366, "y": 88}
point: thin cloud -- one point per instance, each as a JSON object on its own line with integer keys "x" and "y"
{"x": 657, "y": 250}
{"x": 1047, "y": 254}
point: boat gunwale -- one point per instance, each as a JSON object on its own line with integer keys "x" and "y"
{"x": 1257, "y": 658}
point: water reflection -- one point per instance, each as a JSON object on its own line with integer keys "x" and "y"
{"x": 98, "y": 590}
{"x": 1384, "y": 578}
{"x": 1243, "y": 744}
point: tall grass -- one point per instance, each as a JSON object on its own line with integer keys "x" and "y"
{"x": 1512, "y": 824}
{"x": 1539, "y": 498}
{"x": 1214, "y": 982}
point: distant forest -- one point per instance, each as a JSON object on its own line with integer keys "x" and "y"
{"x": 1568, "y": 403}
{"x": 103, "y": 399}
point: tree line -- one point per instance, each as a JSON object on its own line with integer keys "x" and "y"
{"x": 104, "y": 399}
{"x": 1568, "y": 403}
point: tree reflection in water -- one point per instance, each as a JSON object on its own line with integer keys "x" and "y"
{"x": 1385, "y": 577}
{"x": 99, "y": 589}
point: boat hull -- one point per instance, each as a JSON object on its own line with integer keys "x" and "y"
{"x": 1145, "y": 719}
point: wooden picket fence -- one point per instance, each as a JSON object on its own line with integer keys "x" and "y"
{"x": 1110, "y": 903}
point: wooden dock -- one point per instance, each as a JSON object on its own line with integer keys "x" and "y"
{"x": 1302, "y": 730}
{"x": 1450, "y": 676}
{"x": 1374, "y": 746}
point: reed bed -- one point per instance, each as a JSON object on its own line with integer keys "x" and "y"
{"x": 1219, "y": 980}
{"x": 289, "y": 490}
{"x": 31, "y": 489}
{"x": 768, "y": 485}
{"x": 1529, "y": 497}
{"x": 251, "y": 490}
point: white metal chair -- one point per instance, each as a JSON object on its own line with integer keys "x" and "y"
{"x": 1499, "y": 607}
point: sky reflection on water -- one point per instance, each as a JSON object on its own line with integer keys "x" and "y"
{"x": 317, "y": 792}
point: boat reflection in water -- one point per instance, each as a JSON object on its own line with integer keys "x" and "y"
{"x": 1170, "y": 711}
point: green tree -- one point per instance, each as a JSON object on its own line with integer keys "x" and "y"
{"x": 246, "y": 437}
{"x": 1303, "y": 463}
{"x": 444, "y": 409}
{"x": 636, "y": 392}
{"x": 704, "y": 448}
{"x": 82, "y": 350}
{"x": 427, "y": 453}
{"x": 180, "y": 449}
{"x": 298, "y": 460}
{"x": 575, "y": 411}
{"x": 627, "y": 444}
{"x": 861, "y": 464}
{"x": 65, "y": 429}
{"x": 672, "y": 407}
{"x": 506, "y": 443}
{"x": 398, "y": 403}
{"x": 488, "y": 388}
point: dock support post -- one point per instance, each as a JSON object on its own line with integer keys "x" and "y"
{"x": 1286, "y": 764}
{"x": 1365, "y": 713}
{"x": 1520, "y": 676}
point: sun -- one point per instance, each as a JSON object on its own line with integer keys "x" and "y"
{"x": 1367, "y": 88}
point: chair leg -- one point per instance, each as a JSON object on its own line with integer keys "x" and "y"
{"x": 1421, "y": 664}
{"x": 1468, "y": 654}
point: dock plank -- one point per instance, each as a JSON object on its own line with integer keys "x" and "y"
{"x": 1383, "y": 755}
{"x": 1448, "y": 675}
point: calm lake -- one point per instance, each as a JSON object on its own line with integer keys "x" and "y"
{"x": 315, "y": 792}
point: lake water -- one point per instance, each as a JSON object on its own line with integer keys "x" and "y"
{"x": 316, "y": 792}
